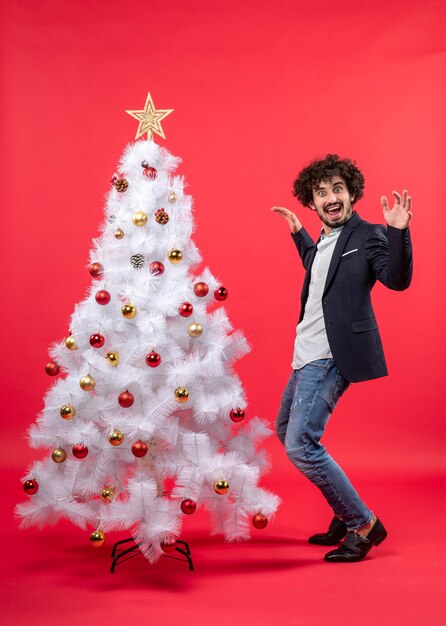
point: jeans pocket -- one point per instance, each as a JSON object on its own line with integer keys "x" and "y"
{"x": 321, "y": 363}
{"x": 311, "y": 380}
{"x": 340, "y": 385}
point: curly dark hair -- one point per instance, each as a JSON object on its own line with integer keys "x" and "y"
{"x": 324, "y": 170}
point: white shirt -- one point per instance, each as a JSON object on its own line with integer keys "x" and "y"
{"x": 311, "y": 337}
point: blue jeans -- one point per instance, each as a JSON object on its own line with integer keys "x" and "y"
{"x": 309, "y": 398}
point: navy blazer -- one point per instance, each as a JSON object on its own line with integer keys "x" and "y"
{"x": 363, "y": 253}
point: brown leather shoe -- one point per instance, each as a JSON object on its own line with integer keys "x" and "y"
{"x": 336, "y": 531}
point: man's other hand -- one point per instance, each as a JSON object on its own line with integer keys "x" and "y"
{"x": 400, "y": 214}
{"x": 290, "y": 217}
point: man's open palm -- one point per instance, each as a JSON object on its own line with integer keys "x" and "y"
{"x": 290, "y": 217}
{"x": 400, "y": 214}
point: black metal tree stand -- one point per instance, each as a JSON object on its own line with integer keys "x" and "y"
{"x": 120, "y": 555}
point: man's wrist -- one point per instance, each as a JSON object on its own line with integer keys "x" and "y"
{"x": 295, "y": 228}
{"x": 398, "y": 227}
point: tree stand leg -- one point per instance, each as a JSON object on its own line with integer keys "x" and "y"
{"x": 121, "y": 555}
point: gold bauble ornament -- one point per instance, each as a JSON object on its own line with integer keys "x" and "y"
{"x": 139, "y": 218}
{"x": 97, "y": 538}
{"x": 128, "y": 311}
{"x": 195, "y": 329}
{"x": 67, "y": 411}
{"x": 87, "y": 382}
{"x": 70, "y": 342}
{"x": 112, "y": 358}
{"x": 181, "y": 394}
{"x": 175, "y": 256}
{"x": 116, "y": 437}
{"x": 58, "y": 455}
{"x": 172, "y": 197}
{"x": 119, "y": 233}
{"x": 107, "y": 494}
{"x": 221, "y": 487}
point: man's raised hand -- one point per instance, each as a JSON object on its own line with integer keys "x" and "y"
{"x": 290, "y": 217}
{"x": 400, "y": 215}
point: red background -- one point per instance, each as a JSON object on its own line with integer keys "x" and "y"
{"x": 259, "y": 88}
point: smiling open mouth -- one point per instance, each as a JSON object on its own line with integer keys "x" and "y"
{"x": 334, "y": 211}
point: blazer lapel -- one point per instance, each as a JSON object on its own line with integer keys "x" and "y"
{"x": 306, "y": 285}
{"x": 339, "y": 248}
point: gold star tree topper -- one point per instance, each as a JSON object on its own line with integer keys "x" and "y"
{"x": 150, "y": 119}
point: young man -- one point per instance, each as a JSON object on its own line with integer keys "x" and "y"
{"x": 337, "y": 339}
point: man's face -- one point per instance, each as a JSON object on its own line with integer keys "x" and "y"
{"x": 332, "y": 202}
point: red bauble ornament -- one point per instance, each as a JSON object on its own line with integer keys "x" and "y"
{"x": 52, "y": 368}
{"x": 156, "y": 268}
{"x": 259, "y": 521}
{"x": 31, "y": 486}
{"x": 168, "y": 546}
{"x": 150, "y": 172}
{"x": 79, "y": 451}
{"x": 188, "y": 506}
{"x": 96, "y": 270}
{"x": 139, "y": 449}
{"x": 221, "y": 294}
{"x": 186, "y": 309}
{"x": 97, "y": 340}
{"x": 201, "y": 289}
{"x": 126, "y": 399}
{"x": 103, "y": 297}
{"x": 114, "y": 178}
{"x": 237, "y": 415}
{"x": 153, "y": 359}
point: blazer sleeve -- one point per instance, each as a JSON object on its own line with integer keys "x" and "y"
{"x": 304, "y": 245}
{"x": 389, "y": 253}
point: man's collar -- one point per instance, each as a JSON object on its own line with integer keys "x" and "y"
{"x": 352, "y": 221}
{"x": 335, "y": 232}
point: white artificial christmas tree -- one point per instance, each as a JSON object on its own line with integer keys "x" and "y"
{"x": 148, "y": 391}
